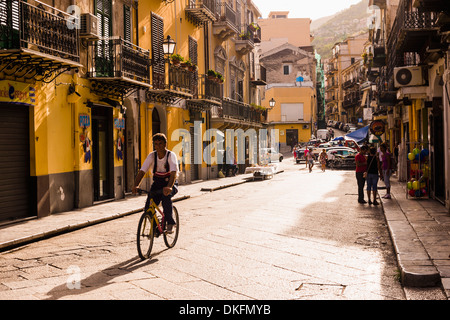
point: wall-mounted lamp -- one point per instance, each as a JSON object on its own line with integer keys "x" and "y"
{"x": 169, "y": 46}
{"x": 272, "y": 103}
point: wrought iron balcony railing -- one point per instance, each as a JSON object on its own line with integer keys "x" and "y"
{"x": 237, "y": 111}
{"x": 170, "y": 82}
{"x": 201, "y": 11}
{"x": 32, "y": 32}
{"x": 115, "y": 59}
{"x": 244, "y": 41}
{"x": 37, "y": 27}
{"x": 226, "y": 24}
{"x": 209, "y": 89}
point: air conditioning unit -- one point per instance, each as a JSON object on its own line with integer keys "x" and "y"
{"x": 88, "y": 26}
{"x": 408, "y": 76}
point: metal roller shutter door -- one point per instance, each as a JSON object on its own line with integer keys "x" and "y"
{"x": 14, "y": 162}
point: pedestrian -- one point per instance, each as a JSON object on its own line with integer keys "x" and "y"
{"x": 386, "y": 167}
{"x": 310, "y": 159}
{"x": 306, "y": 157}
{"x": 361, "y": 167}
{"x": 373, "y": 169}
{"x": 323, "y": 157}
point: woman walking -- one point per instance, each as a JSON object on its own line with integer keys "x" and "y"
{"x": 373, "y": 169}
{"x": 323, "y": 157}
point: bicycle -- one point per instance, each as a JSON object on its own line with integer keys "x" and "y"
{"x": 152, "y": 224}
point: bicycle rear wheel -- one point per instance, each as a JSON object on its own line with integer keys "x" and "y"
{"x": 171, "y": 238}
{"x": 145, "y": 235}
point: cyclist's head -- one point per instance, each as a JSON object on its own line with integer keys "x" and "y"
{"x": 159, "y": 137}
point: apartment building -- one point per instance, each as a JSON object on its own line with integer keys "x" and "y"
{"x": 412, "y": 46}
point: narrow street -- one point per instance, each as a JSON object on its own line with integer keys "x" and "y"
{"x": 299, "y": 235}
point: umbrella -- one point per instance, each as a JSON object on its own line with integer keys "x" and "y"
{"x": 338, "y": 138}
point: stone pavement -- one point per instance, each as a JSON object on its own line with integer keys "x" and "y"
{"x": 26, "y": 231}
{"x": 420, "y": 229}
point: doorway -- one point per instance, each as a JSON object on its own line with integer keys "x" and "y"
{"x": 291, "y": 137}
{"x": 437, "y": 151}
{"x": 102, "y": 149}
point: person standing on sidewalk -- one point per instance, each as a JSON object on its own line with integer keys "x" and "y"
{"x": 361, "y": 168}
{"x": 386, "y": 166}
{"x": 373, "y": 169}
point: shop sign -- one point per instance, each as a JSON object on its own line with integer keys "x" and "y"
{"x": 17, "y": 92}
{"x": 119, "y": 123}
{"x": 377, "y": 127}
{"x": 84, "y": 120}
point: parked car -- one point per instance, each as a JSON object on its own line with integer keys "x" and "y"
{"x": 273, "y": 155}
{"x": 322, "y": 134}
{"x": 342, "y": 158}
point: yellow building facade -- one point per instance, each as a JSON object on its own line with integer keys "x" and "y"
{"x": 89, "y": 96}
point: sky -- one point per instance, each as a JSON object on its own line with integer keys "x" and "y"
{"x": 312, "y": 9}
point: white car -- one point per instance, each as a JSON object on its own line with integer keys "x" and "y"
{"x": 272, "y": 154}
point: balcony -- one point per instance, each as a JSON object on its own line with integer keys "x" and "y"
{"x": 117, "y": 66}
{"x": 200, "y": 12}
{"x": 209, "y": 93}
{"x": 379, "y": 57}
{"x": 413, "y": 28}
{"x": 36, "y": 41}
{"x": 244, "y": 41}
{"x": 259, "y": 77}
{"x": 225, "y": 27}
{"x": 256, "y": 32}
{"x": 178, "y": 82}
{"x": 352, "y": 99}
{"x": 232, "y": 112}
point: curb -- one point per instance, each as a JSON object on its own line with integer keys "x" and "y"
{"x": 416, "y": 267}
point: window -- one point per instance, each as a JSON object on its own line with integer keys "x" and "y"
{"x": 286, "y": 69}
{"x": 291, "y": 111}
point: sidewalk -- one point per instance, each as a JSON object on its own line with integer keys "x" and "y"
{"x": 31, "y": 230}
{"x": 420, "y": 230}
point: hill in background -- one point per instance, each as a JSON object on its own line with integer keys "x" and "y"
{"x": 329, "y": 30}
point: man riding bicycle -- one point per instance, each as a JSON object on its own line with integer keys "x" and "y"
{"x": 164, "y": 166}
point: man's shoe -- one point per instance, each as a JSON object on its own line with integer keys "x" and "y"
{"x": 169, "y": 229}
{"x": 370, "y": 202}
{"x": 375, "y": 203}
{"x": 363, "y": 201}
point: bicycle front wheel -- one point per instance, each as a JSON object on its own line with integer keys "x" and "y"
{"x": 171, "y": 238}
{"x": 145, "y": 235}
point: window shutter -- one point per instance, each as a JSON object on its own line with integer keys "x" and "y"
{"x": 193, "y": 55}
{"x": 157, "y": 25}
{"x": 127, "y": 23}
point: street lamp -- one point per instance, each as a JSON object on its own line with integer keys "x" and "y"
{"x": 271, "y": 104}
{"x": 169, "y": 46}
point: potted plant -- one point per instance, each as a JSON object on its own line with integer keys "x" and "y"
{"x": 176, "y": 59}
{"x": 253, "y": 26}
{"x": 186, "y": 63}
{"x": 211, "y": 74}
{"x": 220, "y": 77}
